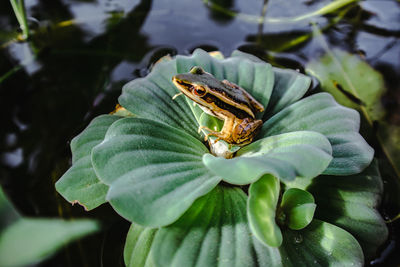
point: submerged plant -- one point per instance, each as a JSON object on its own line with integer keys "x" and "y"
{"x": 312, "y": 195}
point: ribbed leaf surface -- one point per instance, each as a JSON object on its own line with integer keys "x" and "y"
{"x": 138, "y": 246}
{"x": 320, "y": 244}
{"x": 155, "y": 171}
{"x": 213, "y": 232}
{"x": 320, "y": 113}
{"x": 351, "y": 203}
{"x": 80, "y": 183}
{"x": 285, "y": 156}
{"x": 151, "y": 98}
{"x": 289, "y": 86}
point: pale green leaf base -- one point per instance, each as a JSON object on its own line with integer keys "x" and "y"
{"x": 137, "y": 246}
{"x": 213, "y": 232}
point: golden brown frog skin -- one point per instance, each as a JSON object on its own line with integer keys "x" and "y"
{"x": 224, "y": 100}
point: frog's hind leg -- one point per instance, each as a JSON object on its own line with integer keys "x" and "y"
{"x": 245, "y": 131}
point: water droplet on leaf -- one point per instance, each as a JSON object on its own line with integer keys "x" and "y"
{"x": 298, "y": 239}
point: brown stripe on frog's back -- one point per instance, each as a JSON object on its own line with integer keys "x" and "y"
{"x": 233, "y": 97}
{"x": 241, "y": 114}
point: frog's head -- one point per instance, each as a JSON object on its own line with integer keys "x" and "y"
{"x": 195, "y": 84}
{"x": 215, "y": 96}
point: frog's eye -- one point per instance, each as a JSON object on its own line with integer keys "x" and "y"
{"x": 199, "y": 92}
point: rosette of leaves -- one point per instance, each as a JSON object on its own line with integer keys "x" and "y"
{"x": 301, "y": 194}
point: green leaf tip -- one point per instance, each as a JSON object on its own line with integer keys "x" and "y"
{"x": 267, "y": 217}
{"x": 261, "y": 210}
{"x": 80, "y": 184}
{"x": 299, "y": 207}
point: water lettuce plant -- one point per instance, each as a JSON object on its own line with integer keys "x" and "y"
{"x": 304, "y": 192}
{"x": 26, "y": 241}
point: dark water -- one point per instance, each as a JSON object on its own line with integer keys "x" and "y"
{"x": 83, "y": 51}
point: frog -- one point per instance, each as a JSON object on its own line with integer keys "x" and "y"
{"x": 224, "y": 100}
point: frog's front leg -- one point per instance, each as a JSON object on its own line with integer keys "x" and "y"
{"x": 225, "y": 134}
{"x": 245, "y": 131}
{"x": 210, "y": 132}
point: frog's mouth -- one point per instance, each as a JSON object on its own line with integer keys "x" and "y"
{"x": 184, "y": 87}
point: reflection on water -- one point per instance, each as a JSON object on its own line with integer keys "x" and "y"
{"x": 83, "y": 51}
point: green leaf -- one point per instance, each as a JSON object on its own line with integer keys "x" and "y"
{"x": 240, "y": 54}
{"x": 213, "y": 232}
{"x": 155, "y": 171}
{"x": 29, "y": 241}
{"x": 351, "y": 203}
{"x": 257, "y": 78}
{"x": 289, "y": 86}
{"x": 261, "y": 210}
{"x": 351, "y": 81}
{"x": 320, "y": 113}
{"x": 26, "y": 241}
{"x": 299, "y": 207}
{"x": 138, "y": 246}
{"x": 320, "y": 244}
{"x": 8, "y": 214}
{"x": 92, "y": 135}
{"x": 211, "y": 122}
{"x": 389, "y": 137}
{"x": 285, "y": 156}
{"x": 151, "y": 98}
{"x": 80, "y": 183}
{"x": 356, "y": 84}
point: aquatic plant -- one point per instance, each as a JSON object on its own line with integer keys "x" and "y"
{"x": 304, "y": 192}
{"x": 25, "y": 240}
{"x": 20, "y": 13}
